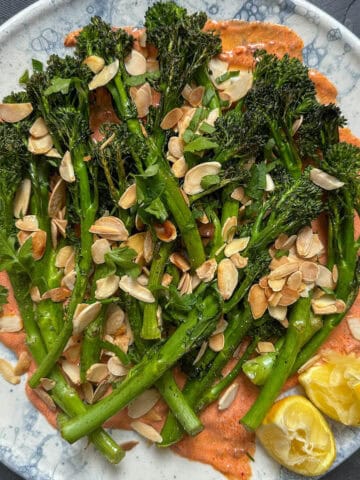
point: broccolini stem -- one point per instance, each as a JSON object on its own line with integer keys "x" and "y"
{"x": 298, "y": 323}
{"x": 91, "y": 344}
{"x": 150, "y": 327}
{"x": 145, "y": 373}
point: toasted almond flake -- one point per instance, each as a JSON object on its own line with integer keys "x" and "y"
{"x": 35, "y": 294}
{"x": 289, "y": 242}
{"x": 104, "y": 76}
{"x": 201, "y": 352}
{"x": 57, "y": 200}
{"x": 7, "y": 372}
{"x": 148, "y": 251}
{"x": 38, "y": 244}
{"x": 10, "y": 323}
{"x": 283, "y": 271}
{"x": 297, "y": 124}
{"x": 97, "y": 373}
{"x": 57, "y": 295}
{"x": 111, "y": 228}
{"x": 176, "y": 147}
{"x": 185, "y": 285}
{"x": 128, "y": 198}
{"x": 14, "y": 112}
{"x": 229, "y": 228}
{"x": 294, "y": 280}
{"x": 238, "y": 260}
{"x": 274, "y": 299}
{"x": 325, "y": 278}
{"x": 206, "y": 271}
{"x": 316, "y": 247}
{"x": 114, "y": 319}
{"x": 265, "y": 347}
{"x": 263, "y": 282}
{"x": 186, "y": 91}
{"x": 66, "y": 168}
{"x": 127, "y": 446}
{"x": 258, "y": 301}
{"x": 324, "y": 180}
{"x": 45, "y": 397}
{"x": 221, "y": 326}
{"x": 100, "y": 391}
{"x": 39, "y": 146}
{"x": 179, "y": 168}
{"x": 179, "y": 261}
{"x": 99, "y": 249}
{"x": 146, "y": 431}
{"x": 196, "y": 95}
{"x": 236, "y": 245}
{"x": 166, "y": 232}
{"x": 328, "y": 310}
{"x": 22, "y": 198}
{"x": 312, "y": 361}
{"x": 69, "y": 280}
{"x": 184, "y": 122}
{"x": 217, "y": 342}
{"x": 70, "y": 264}
{"x": 136, "y": 242}
{"x": 60, "y": 226}
{"x": 143, "y": 100}
{"x": 135, "y": 63}
{"x": 238, "y": 194}
{"x": 47, "y": 383}
{"x": 72, "y": 371}
{"x": 239, "y": 86}
{"x": 95, "y": 63}
{"x": 22, "y": 237}
{"x": 310, "y": 271}
{"x": 171, "y": 118}
{"x": 288, "y": 297}
{"x": 279, "y": 242}
{"x": 270, "y": 185}
{"x": 39, "y": 128}
{"x": 322, "y": 302}
{"x": 354, "y": 327}
{"x": 276, "y": 285}
{"x": 228, "y": 396}
{"x": 195, "y": 281}
{"x": 23, "y": 363}
{"x": 278, "y": 262}
{"x": 63, "y": 256}
{"x": 278, "y": 312}
{"x": 106, "y": 287}
{"x": 143, "y": 403}
{"x": 29, "y": 223}
{"x": 193, "y": 177}
{"x": 303, "y": 241}
{"x": 139, "y": 224}
{"x": 335, "y": 274}
{"x": 84, "y": 315}
{"x": 134, "y": 289}
{"x": 340, "y": 306}
{"x": 227, "y": 278}
{"x": 53, "y": 153}
{"x": 166, "y": 280}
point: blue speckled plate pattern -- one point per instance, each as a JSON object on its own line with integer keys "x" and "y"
{"x": 28, "y": 444}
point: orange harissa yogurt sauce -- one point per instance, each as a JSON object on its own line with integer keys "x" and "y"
{"x": 223, "y": 443}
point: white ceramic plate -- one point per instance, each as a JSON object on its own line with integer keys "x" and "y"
{"x": 28, "y": 445}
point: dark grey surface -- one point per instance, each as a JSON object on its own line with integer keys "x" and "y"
{"x": 348, "y": 13}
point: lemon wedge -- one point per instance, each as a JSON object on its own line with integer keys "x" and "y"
{"x": 298, "y": 437}
{"x": 334, "y": 387}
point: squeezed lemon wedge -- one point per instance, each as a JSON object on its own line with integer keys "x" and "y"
{"x": 298, "y": 437}
{"x": 334, "y": 387}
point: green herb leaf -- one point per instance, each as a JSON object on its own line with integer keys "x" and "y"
{"x": 200, "y": 144}
{"x": 122, "y": 260}
{"x": 257, "y": 182}
{"x": 209, "y": 181}
{"x": 137, "y": 80}
{"x": 208, "y": 96}
{"x": 206, "y": 128}
{"x": 24, "y": 78}
{"x": 37, "y": 65}
{"x": 58, "y": 85}
{"x": 157, "y": 210}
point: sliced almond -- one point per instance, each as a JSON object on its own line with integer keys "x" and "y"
{"x": 128, "y": 198}
{"x": 196, "y": 95}
{"x": 97, "y": 373}
{"x": 46, "y": 398}
{"x": 257, "y": 301}
{"x": 221, "y": 326}
{"x": 179, "y": 168}
{"x": 72, "y": 371}
{"x": 39, "y": 146}
{"x": 133, "y": 288}
{"x": 10, "y": 323}
{"x": 22, "y": 198}
{"x": 171, "y": 118}
{"x": 288, "y": 297}
{"x": 143, "y": 100}
{"x": 354, "y": 327}
{"x": 63, "y": 256}
{"x": 106, "y": 287}
{"x": 57, "y": 295}
{"x": 166, "y": 232}
{"x": 289, "y": 242}
{"x": 239, "y": 261}
{"x": 23, "y": 363}
{"x": 66, "y": 168}
{"x": 69, "y": 280}
{"x": 283, "y": 271}
{"x": 238, "y": 194}
{"x": 99, "y": 249}
{"x": 316, "y": 247}
{"x": 335, "y": 273}
{"x": 186, "y": 91}
{"x": 239, "y": 86}
{"x": 135, "y": 63}
{"x": 206, "y": 271}
{"x": 143, "y": 403}
{"x": 84, "y": 315}
{"x": 274, "y": 298}
{"x": 176, "y": 147}
{"x": 100, "y": 391}
{"x": 179, "y": 261}
{"x": 116, "y": 368}
{"x": 7, "y": 372}
{"x": 185, "y": 284}
{"x": 325, "y": 278}
{"x": 53, "y": 153}
{"x": 194, "y": 176}
{"x": 312, "y": 361}
{"x": 136, "y": 242}
{"x": 110, "y": 226}
{"x": 340, "y": 306}
{"x": 38, "y": 245}
{"x": 60, "y": 226}
{"x": 146, "y": 431}
{"x": 229, "y": 228}
{"x": 270, "y": 185}
{"x": 57, "y": 200}
{"x": 278, "y": 312}
{"x": 14, "y": 112}
{"x": 35, "y": 294}
{"x": 184, "y": 121}
{"x": 22, "y": 237}
{"x": 303, "y": 241}
{"x": 265, "y": 347}
{"x": 236, "y": 245}
{"x": 324, "y": 180}
{"x": 276, "y": 285}
{"x": 294, "y": 280}
{"x": 29, "y": 223}
{"x": 95, "y": 63}
{"x": 39, "y": 128}
{"x": 104, "y": 76}
{"x": 228, "y": 396}
{"x": 227, "y": 278}
{"x": 201, "y": 352}
{"x": 217, "y": 342}
{"x": 114, "y": 319}
{"x": 166, "y": 280}
{"x": 47, "y": 384}
{"x": 310, "y": 271}
{"x": 324, "y": 305}
{"x": 148, "y": 247}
